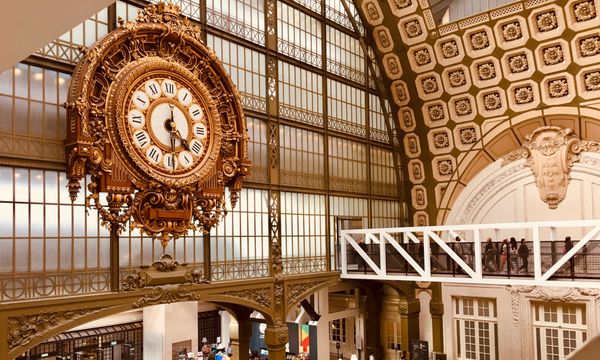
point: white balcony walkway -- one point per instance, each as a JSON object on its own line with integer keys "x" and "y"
{"x": 433, "y": 254}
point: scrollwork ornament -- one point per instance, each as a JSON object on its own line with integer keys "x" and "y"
{"x": 22, "y": 330}
{"x": 166, "y": 295}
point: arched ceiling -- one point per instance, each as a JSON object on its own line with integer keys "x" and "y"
{"x": 455, "y": 87}
{"x": 28, "y": 25}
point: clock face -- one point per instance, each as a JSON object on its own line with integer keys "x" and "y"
{"x": 167, "y": 126}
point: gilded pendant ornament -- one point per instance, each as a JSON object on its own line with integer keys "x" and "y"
{"x": 156, "y": 121}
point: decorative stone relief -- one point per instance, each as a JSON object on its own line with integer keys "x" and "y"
{"x": 413, "y": 28}
{"x": 486, "y": 71}
{"x": 412, "y": 146}
{"x": 407, "y": 119}
{"x": 589, "y": 46}
{"x": 296, "y": 292}
{"x": 457, "y": 78}
{"x": 260, "y": 296}
{"x": 512, "y": 31}
{"x": 421, "y": 218}
{"x": 429, "y": 85}
{"x": 518, "y": 63}
{"x": 463, "y": 107}
{"x": 415, "y": 171}
{"x": 419, "y": 196}
{"x": 24, "y": 329}
{"x": 584, "y": 10}
{"x": 479, "y": 40}
{"x": 592, "y": 81}
{"x": 445, "y": 167}
{"x": 523, "y": 95}
{"x": 165, "y": 295}
{"x": 392, "y": 66}
{"x": 546, "y": 21}
{"x": 402, "y": 4}
{"x": 400, "y": 93}
{"x": 558, "y": 88}
{"x": 550, "y": 152}
{"x": 492, "y": 101}
{"x": 422, "y": 57}
{"x": 553, "y": 55}
{"x": 436, "y": 112}
{"x": 373, "y": 12}
{"x": 544, "y": 294}
{"x": 450, "y": 49}
{"x": 441, "y": 140}
{"x": 468, "y": 136}
{"x": 383, "y": 39}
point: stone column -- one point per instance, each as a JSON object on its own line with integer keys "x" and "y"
{"x": 372, "y": 320}
{"x": 436, "y": 308}
{"x": 167, "y": 324}
{"x": 409, "y": 315}
{"x": 276, "y": 337}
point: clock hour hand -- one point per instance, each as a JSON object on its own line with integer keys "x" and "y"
{"x": 173, "y": 150}
{"x": 184, "y": 142}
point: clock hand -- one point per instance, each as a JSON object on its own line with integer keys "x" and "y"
{"x": 184, "y": 142}
{"x": 173, "y": 151}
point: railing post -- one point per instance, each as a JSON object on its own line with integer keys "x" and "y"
{"x": 343, "y": 254}
{"x": 382, "y": 254}
{"x": 477, "y": 253}
{"x": 426, "y": 253}
{"x": 537, "y": 254}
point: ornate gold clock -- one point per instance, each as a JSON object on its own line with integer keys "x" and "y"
{"x": 157, "y": 122}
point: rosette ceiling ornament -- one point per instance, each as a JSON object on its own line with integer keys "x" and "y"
{"x": 156, "y": 121}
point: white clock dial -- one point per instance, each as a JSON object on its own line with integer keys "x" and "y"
{"x": 184, "y": 96}
{"x": 196, "y": 147}
{"x": 141, "y": 139}
{"x": 170, "y": 162}
{"x": 154, "y": 154}
{"x": 159, "y": 122}
{"x": 136, "y": 119}
{"x": 152, "y": 89}
{"x": 199, "y": 130}
{"x": 141, "y": 100}
{"x": 169, "y": 88}
{"x": 196, "y": 112}
{"x": 186, "y": 159}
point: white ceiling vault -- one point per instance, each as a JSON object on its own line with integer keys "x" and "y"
{"x": 28, "y": 25}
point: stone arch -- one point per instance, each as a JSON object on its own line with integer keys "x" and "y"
{"x": 506, "y": 136}
{"x": 43, "y": 321}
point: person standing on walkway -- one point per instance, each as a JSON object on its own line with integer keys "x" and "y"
{"x": 569, "y": 246}
{"x": 524, "y": 255}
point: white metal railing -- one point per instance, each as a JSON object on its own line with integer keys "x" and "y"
{"x": 433, "y": 254}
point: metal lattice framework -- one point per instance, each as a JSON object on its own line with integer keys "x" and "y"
{"x": 397, "y": 254}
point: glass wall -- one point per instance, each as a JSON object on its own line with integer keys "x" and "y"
{"x": 319, "y": 136}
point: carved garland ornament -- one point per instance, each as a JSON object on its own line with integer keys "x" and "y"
{"x": 260, "y": 296}
{"x": 24, "y": 329}
{"x": 158, "y": 123}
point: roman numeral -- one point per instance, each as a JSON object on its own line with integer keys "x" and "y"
{"x": 170, "y": 161}
{"x": 196, "y": 112}
{"x": 141, "y": 138}
{"x": 187, "y": 161}
{"x": 153, "y": 154}
{"x": 137, "y": 119}
{"x": 196, "y": 148}
{"x": 170, "y": 88}
{"x": 200, "y": 131}
{"x": 141, "y": 100}
{"x": 184, "y": 97}
{"x": 153, "y": 89}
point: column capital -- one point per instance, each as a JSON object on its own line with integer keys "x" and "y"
{"x": 276, "y": 336}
